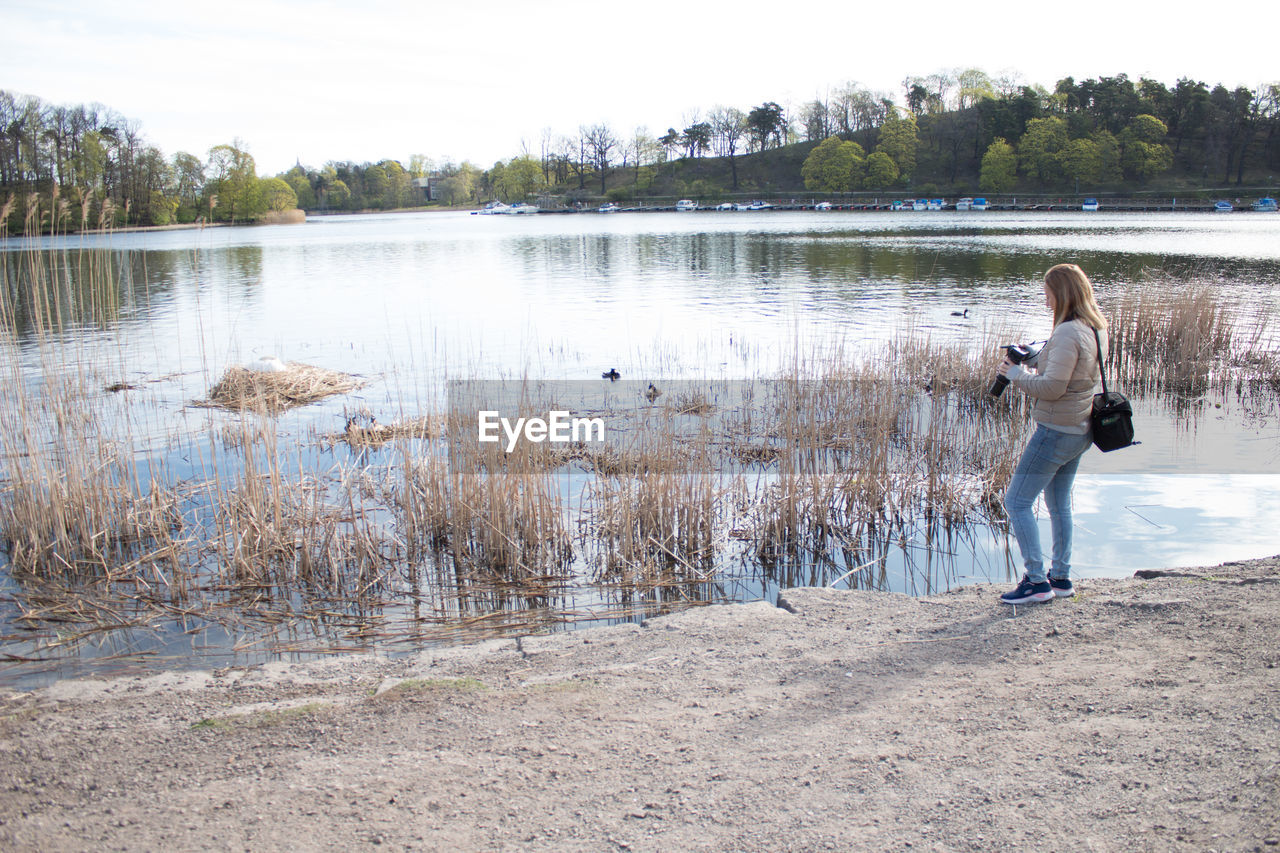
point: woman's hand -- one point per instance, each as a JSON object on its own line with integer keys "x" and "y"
{"x": 1003, "y": 369}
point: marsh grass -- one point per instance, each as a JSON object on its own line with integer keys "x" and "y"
{"x": 823, "y": 471}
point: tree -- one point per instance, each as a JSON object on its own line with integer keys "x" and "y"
{"x": 834, "y": 166}
{"x": 766, "y": 124}
{"x": 729, "y": 126}
{"x": 899, "y": 139}
{"x": 815, "y": 118}
{"x": 696, "y": 139}
{"x": 999, "y": 167}
{"x": 601, "y": 142}
{"x": 1108, "y": 156}
{"x": 1144, "y": 152}
{"x": 881, "y": 170}
{"x": 300, "y": 182}
{"x": 233, "y": 178}
{"x": 517, "y": 179}
{"x": 277, "y": 195}
{"x": 1081, "y": 162}
{"x": 1040, "y": 148}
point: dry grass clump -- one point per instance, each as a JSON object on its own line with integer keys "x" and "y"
{"x": 246, "y": 389}
{"x": 367, "y": 432}
{"x": 506, "y": 523}
{"x": 1170, "y": 342}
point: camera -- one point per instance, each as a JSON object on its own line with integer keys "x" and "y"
{"x": 1018, "y": 353}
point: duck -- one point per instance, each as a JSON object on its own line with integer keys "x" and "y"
{"x": 652, "y": 392}
{"x": 612, "y": 375}
{"x": 964, "y": 313}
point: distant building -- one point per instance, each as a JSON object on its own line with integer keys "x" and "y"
{"x": 429, "y": 187}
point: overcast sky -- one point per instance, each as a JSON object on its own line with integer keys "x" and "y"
{"x": 365, "y": 80}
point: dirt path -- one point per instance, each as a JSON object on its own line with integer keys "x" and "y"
{"x": 1139, "y": 715}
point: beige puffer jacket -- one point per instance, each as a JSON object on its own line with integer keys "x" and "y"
{"x": 1066, "y": 377}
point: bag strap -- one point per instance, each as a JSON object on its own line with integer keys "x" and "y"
{"x": 1101, "y": 371}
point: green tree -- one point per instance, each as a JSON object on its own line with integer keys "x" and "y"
{"x": 881, "y": 170}
{"x": 1081, "y": 162}
{"x": 516, "y": 179}
{"x": 1039, "y": 150}
{"x": 999, "y": 167}
{"x": 233, "y": 179}
{"x": 834, "y": 166}
{"x": 337, "y": 194}
{"x": 1144, "y": 152}
{"x": 899, "y": 138}
{"x": 1108, "y": 156}
{"x": 277, "y": 195}
{"x": 300, "y": 182}
{"x": 766, "y": 124}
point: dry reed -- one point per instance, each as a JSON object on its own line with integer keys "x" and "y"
{"x": 246, "y": 389}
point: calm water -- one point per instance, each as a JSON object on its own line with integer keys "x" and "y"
{"x": 408, "y": 301}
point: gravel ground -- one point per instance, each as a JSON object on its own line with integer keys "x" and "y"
{"x": 1139, "y": 715}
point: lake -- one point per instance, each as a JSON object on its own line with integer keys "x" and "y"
{"x": 409, "y": 301}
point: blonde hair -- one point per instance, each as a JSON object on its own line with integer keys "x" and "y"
{"x": 1073, "y": 296}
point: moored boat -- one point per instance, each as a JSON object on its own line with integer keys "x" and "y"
{"x": 979, "y": 204}
{"x": 920, "y": 204}
{"x": 1090, "y": 205}
{"x": 686, "y": 204}
{"x": 1224, "y": 207}
{"x": 1265, "y": 205}
{"x": 964, "y": 204}
{"x": 936, "y": 204}
{"x": 609, "y": 208}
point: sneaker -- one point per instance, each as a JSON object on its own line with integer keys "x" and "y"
{"x": 1027, "y": 591}
{"x": 1062, "y": 587}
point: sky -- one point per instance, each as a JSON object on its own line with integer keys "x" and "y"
{"x": 312, "y": 81}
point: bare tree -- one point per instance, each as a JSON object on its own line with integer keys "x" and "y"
{"x": 601, "y": 142}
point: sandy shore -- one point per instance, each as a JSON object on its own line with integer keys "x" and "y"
{"x": 1142, "y": 714}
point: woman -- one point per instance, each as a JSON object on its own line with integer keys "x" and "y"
{"x": 1062, "y": 385}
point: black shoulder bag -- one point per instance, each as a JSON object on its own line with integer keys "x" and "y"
{"x": 1112, "y": 415}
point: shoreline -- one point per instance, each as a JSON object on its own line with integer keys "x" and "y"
{"x": 1138, "y": 714}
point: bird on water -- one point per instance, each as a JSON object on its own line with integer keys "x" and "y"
{"x": 612, "y": 375}
{"x": 965, "y": 313}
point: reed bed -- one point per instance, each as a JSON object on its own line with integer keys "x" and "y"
{"x": 813, "y": 475}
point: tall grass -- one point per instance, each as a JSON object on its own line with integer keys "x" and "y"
{"x": 835, "y": 461}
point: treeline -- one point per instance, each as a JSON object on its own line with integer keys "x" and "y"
{"x": 1110, "y": 132}
{"x": 68, "y": 168}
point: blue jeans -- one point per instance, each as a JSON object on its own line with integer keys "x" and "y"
{"x": 1047, "y": 465}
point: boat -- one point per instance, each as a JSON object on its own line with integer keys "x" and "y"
{"x": 759, "y": 205}
{"x": 920, "y": 204}
{"x": 1090, "y": 205}
{"x": 492, "y": 208}
{"x": 822, "y": 205}
{"x": 935, "y": 204}
{"x": 897, "y": 204}
{"x": 1265, "y": 205}
{"x": 964, "y": 204}
{"x": 521, "y": 207}
{"x": 728, "y": 205}
{"x": 1224, "y": 207}
{"x": 979, "y": 204}
{"x": 609, "y": 208}
{"x": 686, "y": 204}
